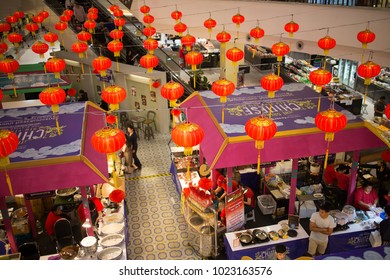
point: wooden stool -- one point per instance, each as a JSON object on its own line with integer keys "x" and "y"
{"x": 149, "y": 132}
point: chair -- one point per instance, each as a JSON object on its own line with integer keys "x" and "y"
{"x": 124, "y": 119}
{"x": 149, "y": 132}
{"x": 63, "y": 234}
{"x": 150, "y": 119}
{"x": 29, "y": 251}
{"x": 250, "y": 216}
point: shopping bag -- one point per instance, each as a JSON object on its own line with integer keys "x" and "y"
{"x": 375, "y": 238}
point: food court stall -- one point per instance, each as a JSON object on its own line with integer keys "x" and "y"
{"x": 226, "y": 145}
{"x": 45, "y": 160}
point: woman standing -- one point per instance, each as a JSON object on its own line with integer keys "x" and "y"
{"x": 131, "y": 141}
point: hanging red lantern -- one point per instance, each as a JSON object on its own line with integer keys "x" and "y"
{"x": 385, "y": 155}
{"x": 234, "y": 54}
{"x": 40, "y": 48}
{"x": 53, "y": 96}
{"x": 188, "y": 41}
{"x": 223, "y": 37}
{"x": 280, "y": 49}
{"x": 149, "y": 31}
{"x": 148, "y": 19}
{"x": 116, "y": 34}
{"x": 65, "y": 18}
{"x": 117, "y": 196}
{"x": 68, "y": 13}
{"x": 55, "y": 65}
{"x": 176, "y": 15}
{"x": 150, "y": 44}
{"x": 387, "y": 111}
{"x": 3, "y": 49}
{"x": 19, "y": 15}
{"x": 11, "y": 20}
{"x": 238, "y": 19}
{"x": 176, "y": 112}
{"x": 118, "y": 13}
{"x": 61, "y": 26}
{"x": 113, "y": 8}
{"x": 223, "y": 88}
{"x": 149, "y": 61}
{"x": 84, "y": 36}
{"x": 365, "y": 37}
{"x": 291, "y": 28}
{"x": 193, "y": 58}
{"x": 101, "y": 64}
{"x": 15, "y": 38}
{"x": 37, "y": 19}
{"x": 256, "y": 33}
{"x": 80, "y": 48}
{"x": 115, "y": 46}
{"x": 172, "y": 91}
{"x": 187, "y": 135}
{"x": 9, "y": 142}
{"x": 1, "y": 95}
{"x": 119, "y": 22}
{"x": 4, "y": 28}
{"x": 50, "y": 37}
{"x": 94, "y": 10}
{"x": 90, "y": 25}
{"x": 156, "y": 84}
{"x": 110, "y": 119}
{"x": 271, "y": 83}
{"x": 210, "y": 24}
{"x": 327, "y": 43}
{"x": 260, "y": 129}
{"x": 9, "y": 66}
{"x": 32, "y": 27}
{"x": 113, "y": 95}
{"x": 71, "y": 92}
{"x": 180, "y": 28}
{"x": 319, "y": 78}
{"x": 45, "y": 14}
{"x": 92, "y": 16}
{"x": 144, "y": 9}
{"x": 368, "y": 70}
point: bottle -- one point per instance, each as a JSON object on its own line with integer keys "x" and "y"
{"x": 38, "y": 226}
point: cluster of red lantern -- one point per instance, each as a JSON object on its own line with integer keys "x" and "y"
{"x": 326, "y": 43}
{"x": 55, "y": 65}
{"x": 271, "y": 83}
{"x": 101, "y": 64}
{"x": 209, "y": 24}
{"x": 40, "y": 48}
{"x": 53, "y": 96}
{"x": 9, "y": 142}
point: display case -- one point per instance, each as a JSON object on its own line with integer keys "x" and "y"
{"x": 345, "y": 97}
{"x": 260, "y": 57}
{"x": 297, "y": 70}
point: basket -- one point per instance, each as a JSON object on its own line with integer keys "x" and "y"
{"x": 266, "y": 204}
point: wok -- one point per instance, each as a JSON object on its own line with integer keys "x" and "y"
{"x": 292, "y": 233}
{"x": 196, "y": 220}
{"x": 260, "y": 234}
{"x": 246, "y": 238}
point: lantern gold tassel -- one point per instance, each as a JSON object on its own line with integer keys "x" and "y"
{"x": 223, "y": 114}
{"x": 8, "y": 179}
{"x": 319, "y": 102}
{"x": 270, "y": 110}
{"x": 187, "y": 151}
{"x": 326, "y": 155}
{"x": 258, "y": 162}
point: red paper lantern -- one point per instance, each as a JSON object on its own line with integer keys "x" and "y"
{"x": 187, "y": 135}
{"x": 176, "y": 112}
{"x": 113, "y": 8}
{"x": 113, "y": 95}
{"x": 223, "y": 88}
{"x": 365, "y": 37}
{"x": 238, "y": 19}
{"x": 280, "y": 49}
{"x": 55, "y": 65}
{"x": 80, "y": 48}
{"x": 37, "y": 19}
{"x": 176, "y": 15}
{"x": 32, "y": 27}
{"x": 108, "y": 140}
{"x": 223, "y": 37}
{"x": 117, "y": 196}
{"x": 3, "y": 48}
{"x": 90, "y": 25}
{"x": 68, "y": 13}
{"x": 11, "y": 20}
{"x": 188, "y": 41}
{"x": 149, "y": 61}
{"x": 1, "y": 95}
{"x": 116, "y": 34}
{"x": 101, "y": 64}
{"x": 15, "y": 38}
{"x": 92, "y": 16}
{"x": 193, "y": 58}
{"x": 172, "y": 91}
{"x": 53, "y": 96}
{"x": 4, "y": 27}
{"x": 19, "y": 15}
{"x": 50, "y": 37}
{"x": 291, "y": 28}
{"x": 180, "y": 28}
{"x": 319, "y": 78}
{"x": 45, "y": 14}
{"x": 61, "y": 26}
{"x": 234, "y": 54}
{"x": 368, "y": 70}
{"x": 209, "y": 24}
{"x": 271, "y": 83}
{"x": 327, "y": 43}
{"x": 148, "y": 19}
{"x": 150, "y": 44}
{"x": 9, "y": 142}
{"x": 110, "y": 119}
{"x": 71, "y": 92}
{"x": 156, "y": 84}
{"x": 9, "y": 66}
{"x": 118, "y": 13}
{"x": 387, "y": 111}
{"x": 260, "y": 129}
{"x": 84, "y": 36}
{"x": 144, "y": 9}
{"x": 65, "y": 18}
{"x": 149, "y": 31}
{"x": 386, "y": 155}
{"x": 94, "y": 10}
{"x": 40, "y": 48}
{"x": 330, "y": 121}
{"x": 119, "y": 22}
{"x": 115, "y": 46}
{"x": 256, "y": 33}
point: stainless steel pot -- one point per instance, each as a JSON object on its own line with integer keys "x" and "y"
{"x": 246, "y": 238}
{"x": 89, "y": 245}
{"x": 260, "y": 234}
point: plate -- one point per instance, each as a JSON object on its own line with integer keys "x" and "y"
{"x": 318, "y": 195}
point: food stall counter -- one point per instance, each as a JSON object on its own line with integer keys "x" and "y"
{"x": 296, "y": 246}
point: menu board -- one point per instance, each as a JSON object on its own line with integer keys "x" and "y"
{"x": 234, "y": 210}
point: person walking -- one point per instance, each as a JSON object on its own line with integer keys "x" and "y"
{"x": 379, "y": 107}
{"x": 131, "y": 141}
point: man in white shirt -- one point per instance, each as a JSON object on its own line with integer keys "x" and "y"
{"x": 321, "y": 226}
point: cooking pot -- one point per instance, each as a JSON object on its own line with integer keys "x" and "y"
{"x": 273, "y": 235}
{"x": 292, "y": 233}
{"x": 206, "y": 230}
{"x": 69, "y": 252}
{"x": 89, "y": 244}
{"x": 246, "y": 238}
{"x": 260, "y": 234}
{"x": 282, "y": 233}
{"x": 196, "y": 220}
